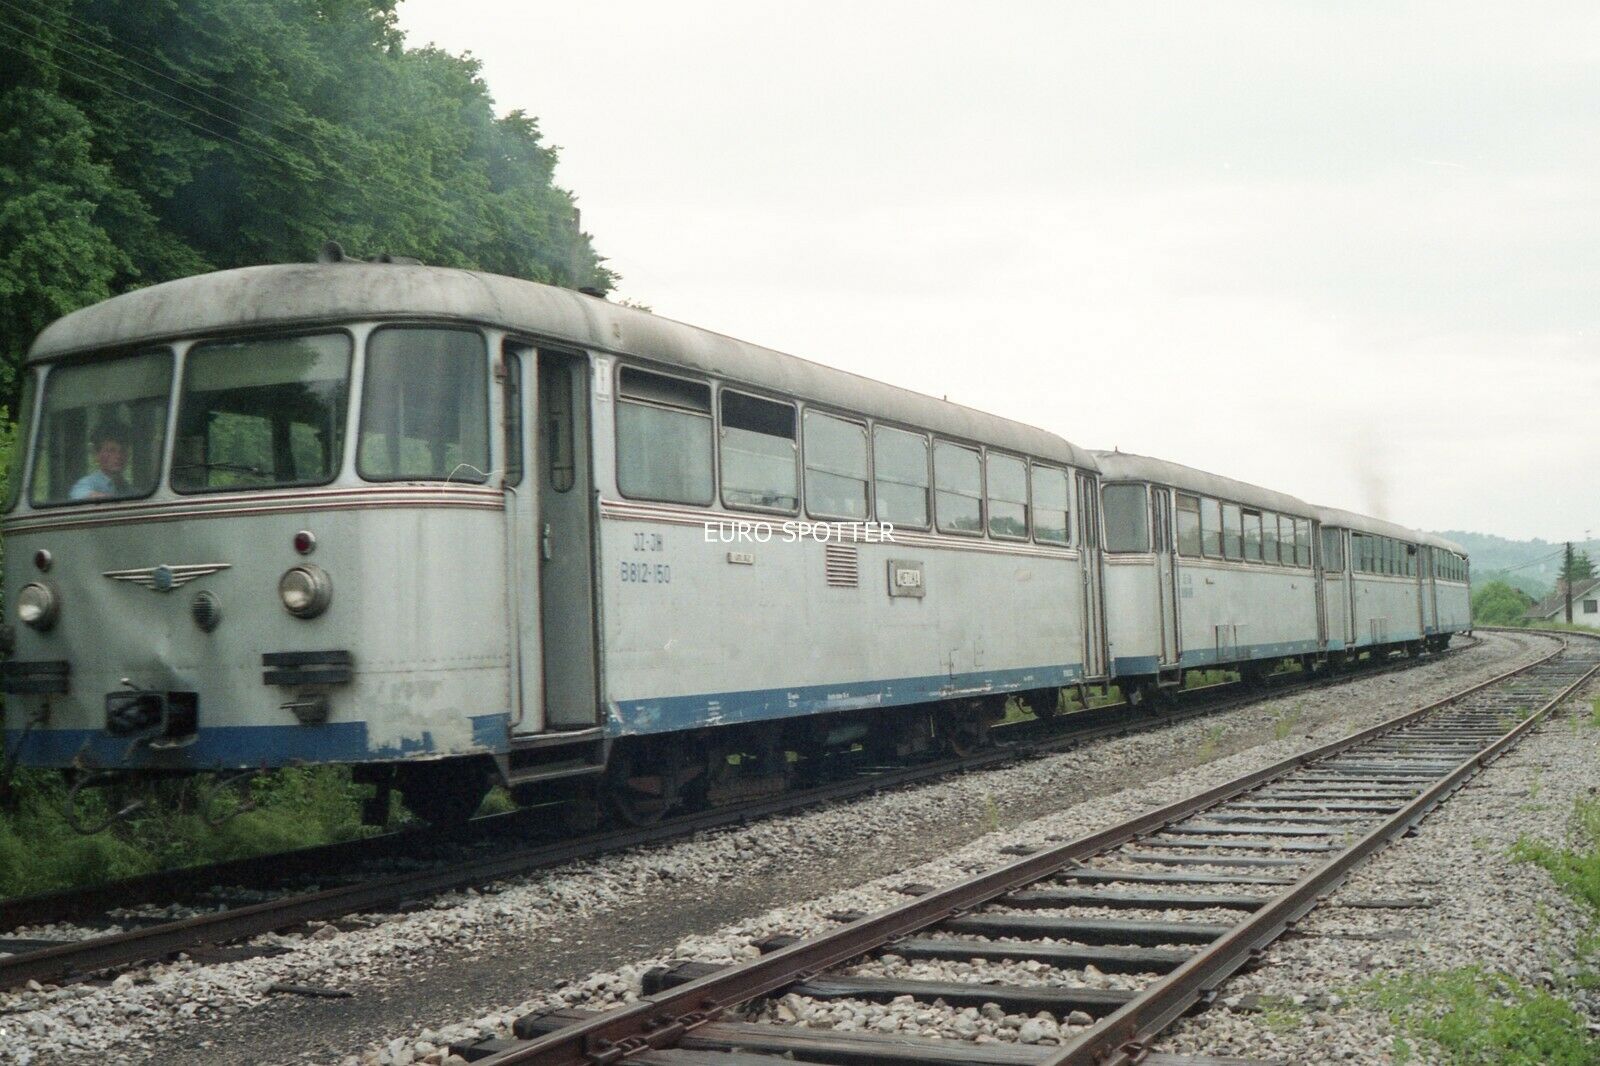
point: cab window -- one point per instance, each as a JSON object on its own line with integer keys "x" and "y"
{"x": 102, "y": 429}
{"x": 425, "y": 407}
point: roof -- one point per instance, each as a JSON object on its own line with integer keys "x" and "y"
{"x": 296, "y": 295}
{"x": 1127, "y": 466}
{"x": 1333, "y": 516}
{"x": 1556, "y": 602}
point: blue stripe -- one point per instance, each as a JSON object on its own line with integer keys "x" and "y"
{"x": 665, "y": 714}
{"x": 229, "y": 747}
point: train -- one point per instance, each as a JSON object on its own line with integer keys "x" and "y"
{"x": 453, "y": 529}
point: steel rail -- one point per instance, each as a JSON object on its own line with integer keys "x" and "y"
{"x": 1122, "y": 1038}
{"x": 661, "y": 1020}
{"x": 87, "y": 956}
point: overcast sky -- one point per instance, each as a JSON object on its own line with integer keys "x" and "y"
{"x": 1347, "y": 251}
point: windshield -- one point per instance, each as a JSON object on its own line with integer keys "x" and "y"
{"x": 101, "y": 430}
{"x": 262, "y": 413}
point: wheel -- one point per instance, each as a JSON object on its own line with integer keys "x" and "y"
{"x": 445, "y": 792}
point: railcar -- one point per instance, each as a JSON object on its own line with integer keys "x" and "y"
{"x": 1202, "y": 571}
{"x": 1387, "y": 586}
{"x": 451, "y": 528}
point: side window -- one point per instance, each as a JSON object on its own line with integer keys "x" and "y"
{"x": 17, "y": 468}
{"x": 1269, "y": 537}
{"x": 1332, "y": 551}
{"x": 900, "y": 465}
{"x": 663, "y": 438}
{"x": 1211, "y": 527}
{"x": 1302, "y": 541}
{"x": 1008, "y": 496}
{"x": 758, "y": 453}
{"x": 1232, "y": 527}
{"x": 836, "y": 467}
{"x": 957, "y": 489}
{"x": 1051, "y": 516}
{"x": 1252, "y": 536}
{"x": 1127, "y": 517}
{"x": 1188, "y": 525}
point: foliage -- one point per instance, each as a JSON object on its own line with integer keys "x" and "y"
{"x": 144, "y": 140}
{"x": 1580, "y": 569}
{"x": 39, "y": 850}
{"x": 1498, "y": 604}
{"x": 1476, "y": 1017}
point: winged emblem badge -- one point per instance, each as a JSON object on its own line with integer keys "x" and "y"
{"x": 165, "y": 578}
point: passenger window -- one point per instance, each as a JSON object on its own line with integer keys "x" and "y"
{"x": 1127, "y": 518}
{"x": 1232, "y": 526}
{"x": 1211, "y": 527}
{"x": 957, "y": 489}
{"x": 900, "y": 465}
{"x": 1269, "y": 537}
{"x": 1188, "y": 525}
{"x": 1008, "y": 496}
{"x": 1252, "y": 536}
{"x": 758, "y": 453}
{"x": 836, "y": 467}
{"x": 663, "y": 438}
{"x": 1051, "y": 518}
{"x": 425, "y": 407}
{"x": 1302, "y": 542}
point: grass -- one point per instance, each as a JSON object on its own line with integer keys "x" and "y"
{"x": 1209, "y": 746}
{"x": 40, "y": 852}
{"x": 1575, "y": 867}
{"x": 1477, "y": 1018}
{"x": 1287, "y": 721}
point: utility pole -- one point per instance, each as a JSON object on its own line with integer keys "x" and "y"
{"x": 1567, "y": 581}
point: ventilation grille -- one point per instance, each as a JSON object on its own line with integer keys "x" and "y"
{"x": 841, "y": 566}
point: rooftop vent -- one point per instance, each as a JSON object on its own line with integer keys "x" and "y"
{"x": 333, "y": 252}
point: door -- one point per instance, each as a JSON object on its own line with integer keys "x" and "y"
{"x": 1430, "y": 590}
{"x": 1166, "y": 573}
{"x": 1319, "y": 569}
{"x": 1094, "y": 639}
{"x": 554, "y": 543}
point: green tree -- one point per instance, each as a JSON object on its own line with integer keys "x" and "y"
{"x": 143, "y": 140}
{"x": 1498, "y": 604}
{"x": 1581, "y": 569}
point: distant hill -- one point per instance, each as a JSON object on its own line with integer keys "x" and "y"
{"x": 1529, "y": 565}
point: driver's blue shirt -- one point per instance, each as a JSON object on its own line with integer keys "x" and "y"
{"x": 90, "y": 485}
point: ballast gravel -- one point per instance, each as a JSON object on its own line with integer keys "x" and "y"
{"x": 155, "y": 1006}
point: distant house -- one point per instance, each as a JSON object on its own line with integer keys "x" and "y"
{"x": 1585, "y": 605}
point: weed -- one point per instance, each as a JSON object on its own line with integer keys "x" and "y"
{"x": 1576, "y": 867}
{"x": 1478, "y": 1018}
{"x": 991, "y": 813}
{"x": 1209, "y": 746}
{"x": 1287, "y": 721}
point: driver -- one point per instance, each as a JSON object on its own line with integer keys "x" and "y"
{"x": 110, "y": 442}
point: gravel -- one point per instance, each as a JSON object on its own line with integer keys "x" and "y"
{"x": 539, "y": 913}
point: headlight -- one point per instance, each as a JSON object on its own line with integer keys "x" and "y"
{"x": 38, "y": 606}
{"x": 305, "y": 590}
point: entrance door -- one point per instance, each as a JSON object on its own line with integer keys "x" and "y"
{"x": 1166, "y": 573}
{"x": 553, "y": 542}
{"x": 1319, "y": 571}
{"x": 1430, "y": 591}
{"x": 1094, "y": 640}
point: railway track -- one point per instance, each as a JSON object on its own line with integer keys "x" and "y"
{"x": 34, "y": 960}
{"x": 1174, "y": 901}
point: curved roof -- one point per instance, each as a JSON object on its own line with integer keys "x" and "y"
{"x": 1126, "y": 466}
{"x": 1333, "y": 516}
{"x": 296, "y": 295}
